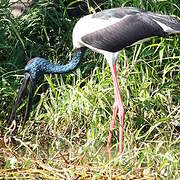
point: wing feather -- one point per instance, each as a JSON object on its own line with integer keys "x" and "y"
{"x": 127, "y": 31}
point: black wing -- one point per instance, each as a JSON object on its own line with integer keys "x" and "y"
{"x": 127, "y": 31}
{"x": 169, "y": 21}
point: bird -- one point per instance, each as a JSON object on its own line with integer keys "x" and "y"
{"x": 106, "y": 32}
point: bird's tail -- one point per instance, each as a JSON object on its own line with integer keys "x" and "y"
{"x": 169, "y": 24}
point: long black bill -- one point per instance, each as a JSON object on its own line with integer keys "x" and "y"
{"x": 29, "y": 105}
{"x": 27, "y": 80}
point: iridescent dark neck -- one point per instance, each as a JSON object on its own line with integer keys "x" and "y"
{"x": 51, "y": 68}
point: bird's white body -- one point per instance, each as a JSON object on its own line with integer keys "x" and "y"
{"x": 87, "y": 25}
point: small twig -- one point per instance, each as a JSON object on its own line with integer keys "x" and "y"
{"x": 7, "y": 139}
{"x": 66, "y": 161}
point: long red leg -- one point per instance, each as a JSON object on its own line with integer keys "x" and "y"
{"x": 119, "y": 108}
{"x": 112, "y": 123}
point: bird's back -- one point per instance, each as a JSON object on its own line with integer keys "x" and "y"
{"x": 114, "y": 29}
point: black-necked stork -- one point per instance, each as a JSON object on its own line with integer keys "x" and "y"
{"x": 106, "y": 32}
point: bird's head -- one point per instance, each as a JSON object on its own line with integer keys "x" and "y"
{"x": 34, "y": 70}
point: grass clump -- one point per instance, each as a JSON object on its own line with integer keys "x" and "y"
{"x": 66, "y": 134}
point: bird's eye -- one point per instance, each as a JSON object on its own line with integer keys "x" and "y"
{"x": 26, "y": 69}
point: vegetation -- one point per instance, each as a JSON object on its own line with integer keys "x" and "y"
{"x": 67, "y": 131}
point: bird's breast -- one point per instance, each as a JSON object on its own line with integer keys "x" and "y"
{"x": 87, "y": 25}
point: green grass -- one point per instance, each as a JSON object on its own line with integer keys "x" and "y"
{"x": 67, "y": 131}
